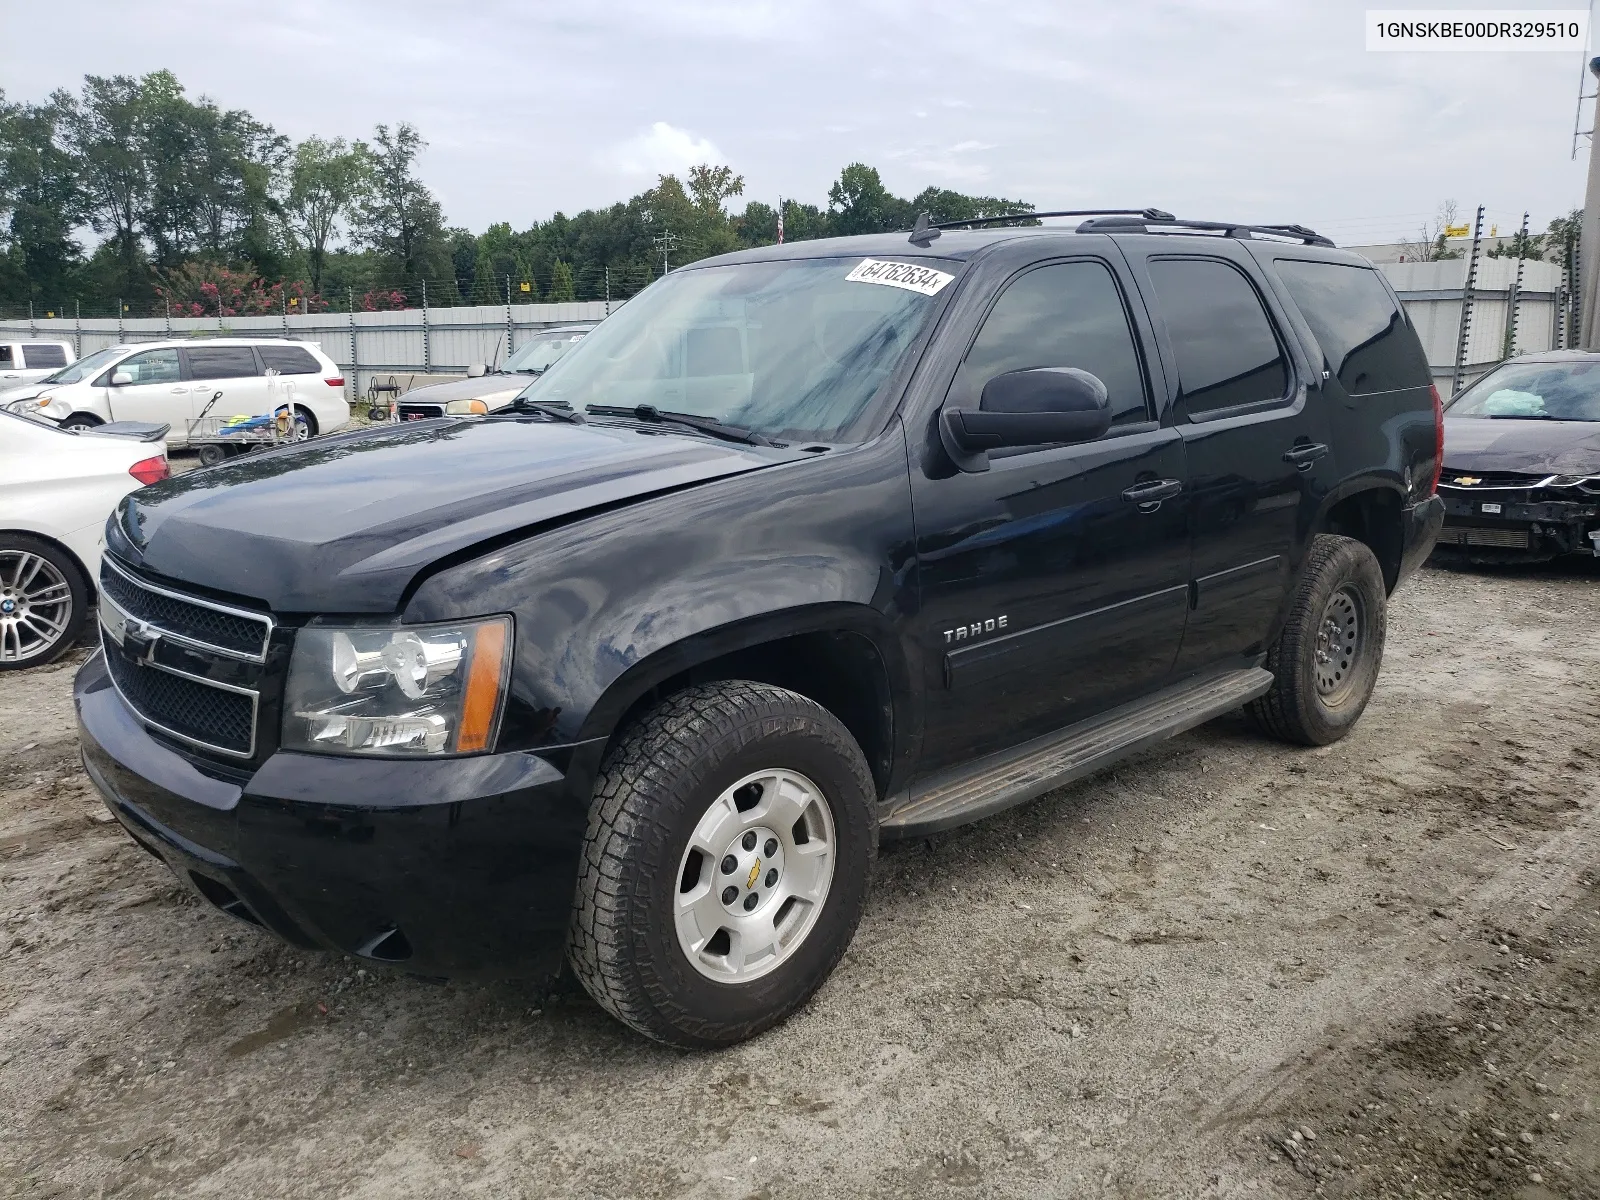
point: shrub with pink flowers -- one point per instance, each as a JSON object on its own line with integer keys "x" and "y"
{"x": 202, "y": 289}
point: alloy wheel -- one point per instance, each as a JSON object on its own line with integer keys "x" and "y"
{"x": 35, "y": 605}
{"x": 755, "y": 876}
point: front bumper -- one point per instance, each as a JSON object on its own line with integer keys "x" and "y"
{"x": 450, "y": 867}
{"x": 1483, "y": 523}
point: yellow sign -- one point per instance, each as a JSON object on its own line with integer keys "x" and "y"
{"x": 48, "y": 313}
{"x": 1458, "y": 231}
{"x": 527, "y": 287}
{"x": 293, "y": 300}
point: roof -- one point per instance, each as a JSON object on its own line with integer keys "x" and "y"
{"x": 961, "y": 244}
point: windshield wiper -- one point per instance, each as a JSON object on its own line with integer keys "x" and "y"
{"x": 555, "y": 411}
{"x": 716, "y": 428}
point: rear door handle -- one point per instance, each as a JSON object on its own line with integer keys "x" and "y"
{"x": 1148, "y": 496}
{"x": 1303, "y": 456}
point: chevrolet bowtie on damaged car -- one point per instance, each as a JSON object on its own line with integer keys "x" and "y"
{"x": 805, "y": 547}
{"x": 1521, "y": 479}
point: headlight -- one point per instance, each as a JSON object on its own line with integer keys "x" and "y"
{"x": 421, "y": 689}
{"x": 466, "y": 408}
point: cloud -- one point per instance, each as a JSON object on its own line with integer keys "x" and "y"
{"x": 665, "y": 150}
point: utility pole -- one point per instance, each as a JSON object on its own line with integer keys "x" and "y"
{"x": 667, "y": 242}
{"x": 1589, "y": 245}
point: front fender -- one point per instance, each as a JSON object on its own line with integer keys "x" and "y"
{"x": 651, "y": 588}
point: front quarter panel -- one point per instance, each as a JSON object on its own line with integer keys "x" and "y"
{"x": 609, "y": 606}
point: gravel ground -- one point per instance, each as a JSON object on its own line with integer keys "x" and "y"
{"x": 1225, "y": 968}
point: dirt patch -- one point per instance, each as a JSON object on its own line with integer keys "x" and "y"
{"x": 1142, "y": 985}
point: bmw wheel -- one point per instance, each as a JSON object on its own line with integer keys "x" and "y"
{"x": 727, "y": 861}
{"x": 43, "y": 602}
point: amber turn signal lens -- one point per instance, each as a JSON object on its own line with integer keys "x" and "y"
{"x": 483, "y": 687}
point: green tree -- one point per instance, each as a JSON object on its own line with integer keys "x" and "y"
{"x": 1563, "y": 235}
{"x": 560, "y": 283}
{"x": 41, "y": 201}
{"x": 398, "y": 217}
{"x": 328, "y": 181}
{"x": 859, "y": 203}
{"x": 104, "y": 131}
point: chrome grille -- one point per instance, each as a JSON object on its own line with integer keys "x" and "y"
{"x": 203, "y": 622}
{"x": 160, "y": 647}
{"x": 185, "y": 707}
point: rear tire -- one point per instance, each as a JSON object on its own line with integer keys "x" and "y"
{"x": 44, "y": 600}
{"x": 305, "y": 425}
{"x": 1325, "y": 662}
{"x": 678, "y": 799}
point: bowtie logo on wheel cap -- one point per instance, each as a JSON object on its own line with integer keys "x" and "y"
{"x": 755, "y": 874}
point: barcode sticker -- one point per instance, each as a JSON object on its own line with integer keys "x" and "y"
{"x": 909, "y": 276}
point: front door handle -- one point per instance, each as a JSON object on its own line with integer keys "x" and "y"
{"x": 1148, "y": 496}
{"x": 179, "y": 391}
{"x": 1303, "y": 456}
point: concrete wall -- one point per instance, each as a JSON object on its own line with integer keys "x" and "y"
{"x": 1432, "y": 291}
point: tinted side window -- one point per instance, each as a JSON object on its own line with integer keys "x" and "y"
{"x": 1364, "y": 339}
{"x": 37, "y": 355}
{"x": 5, "y": 356}
{"x": 221, "y": 362}
{"x": 1226, "y": 350}
{"x": 1064, "y": 315}
{"x": 288, "y": 360}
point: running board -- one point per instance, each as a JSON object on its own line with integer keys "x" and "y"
{"x": 999, "y": 781}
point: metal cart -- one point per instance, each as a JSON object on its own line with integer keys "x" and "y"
{"x": 217, "y": 438}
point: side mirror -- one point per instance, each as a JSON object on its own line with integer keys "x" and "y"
{"x": 121, "y": 379}
{"x": 1040, "y": 406}
{"x": 476, "y": 370}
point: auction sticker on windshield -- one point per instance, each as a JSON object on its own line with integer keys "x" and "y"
{"x": 901, "y": 275}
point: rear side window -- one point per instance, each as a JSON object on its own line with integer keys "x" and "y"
{"x": 289, "y": 360}
{"x": 1227, "y": 352}
{"x": 1063, "y": 315}
{"x": 6, "y": 360}
{"x": 221, "y": 362}
{"x": 1364, "y": 339}
{"x": 43, "y": 354}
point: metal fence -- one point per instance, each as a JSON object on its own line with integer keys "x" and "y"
{"x": 1508, "y": 314}
{"x": 403, "y": 343}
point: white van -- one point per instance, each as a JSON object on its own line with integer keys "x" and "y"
{"x": 25, "y": 362}
{"x": 172, "y": 382}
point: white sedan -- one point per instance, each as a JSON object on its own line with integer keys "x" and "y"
{"x": 56, "y": 491}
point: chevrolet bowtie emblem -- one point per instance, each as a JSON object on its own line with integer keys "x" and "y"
{"x": 1468, "y": 480}
{"x": 755, "y": 874}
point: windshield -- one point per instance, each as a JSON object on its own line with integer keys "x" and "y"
{"x": 793, "y": 350}
{"x": 1549, "y": 391}
{"x": 538, "y": 354}
{"x": 86, "y": 367}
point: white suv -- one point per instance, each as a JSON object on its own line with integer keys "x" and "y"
{"x": 25, "y": 362}
{"x": 174, "y": 382}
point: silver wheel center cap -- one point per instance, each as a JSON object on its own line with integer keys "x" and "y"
{"x": 750, "y": 870}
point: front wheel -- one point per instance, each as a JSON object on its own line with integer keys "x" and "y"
{"x": 1326, "y": 661}
{"x": 729, "y": 851}
{"x": 78, "y": 422}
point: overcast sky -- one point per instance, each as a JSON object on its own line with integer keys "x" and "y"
{"x": 1217, "y": 109}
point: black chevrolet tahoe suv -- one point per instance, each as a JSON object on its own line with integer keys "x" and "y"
{"x": 805, "y": 547}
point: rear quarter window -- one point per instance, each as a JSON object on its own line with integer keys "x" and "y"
{"x": 1366, "y": 343}
{"x": 289, "y": 360}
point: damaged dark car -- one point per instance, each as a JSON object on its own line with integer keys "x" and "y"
{"x": 1521, "y": 480}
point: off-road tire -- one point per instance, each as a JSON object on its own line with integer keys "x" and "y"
{"x": 77, "y": 585}
{"x": 1293, "y": 710}
{"x": 655, "y": 784}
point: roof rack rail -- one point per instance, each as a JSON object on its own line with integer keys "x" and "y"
{"x": 1122, "y": 223}
{"x": 1150, "y": 214}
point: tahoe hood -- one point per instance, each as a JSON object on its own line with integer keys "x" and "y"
{"x": 343, "y": 524}
{"x": 1528, "y": 447}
